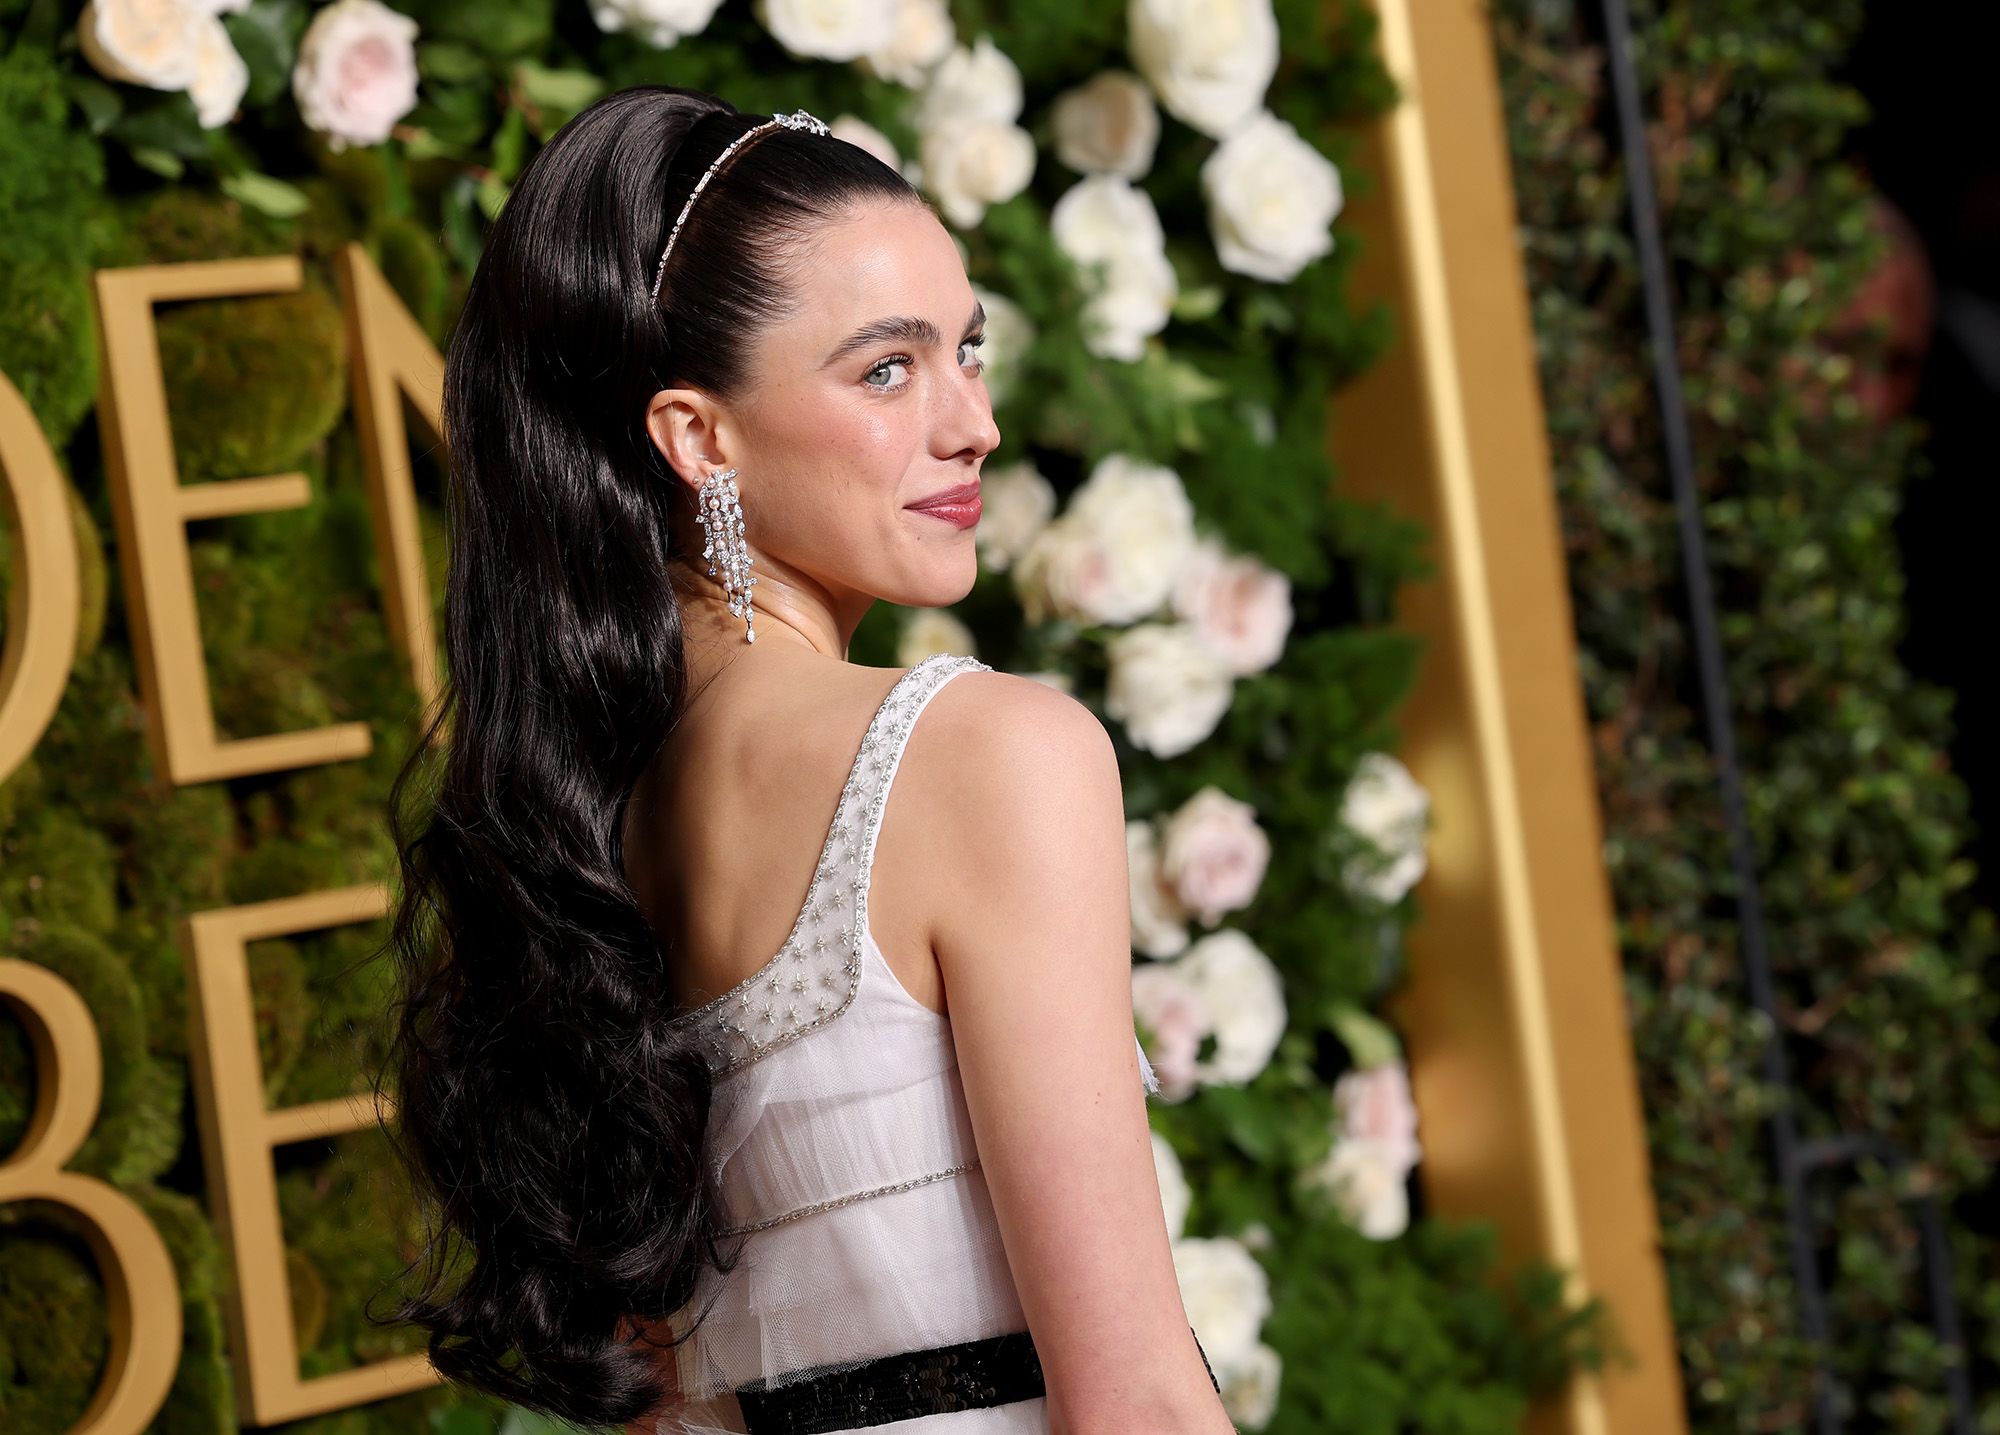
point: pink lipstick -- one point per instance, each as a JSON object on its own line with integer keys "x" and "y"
{"x": 957, "y": 506}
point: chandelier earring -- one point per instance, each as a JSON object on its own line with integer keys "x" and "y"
{"x": 720, "y": 513}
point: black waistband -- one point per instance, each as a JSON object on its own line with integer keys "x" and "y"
{"x": 996, "y": 1370}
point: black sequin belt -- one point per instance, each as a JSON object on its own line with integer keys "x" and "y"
{"x": 997, "y": 1370}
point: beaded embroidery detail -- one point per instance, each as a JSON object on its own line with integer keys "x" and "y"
{"x": 816, "y": 1207}
{"x": 815, "y": 974}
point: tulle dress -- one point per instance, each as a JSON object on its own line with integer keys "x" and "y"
{"x": 847, "y": 1161}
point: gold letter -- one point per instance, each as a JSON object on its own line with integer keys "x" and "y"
{"x": 140, "y": 1288}
{"x": 41, "y": 635}
{"x": 393, "y": 358}
{"x": 238, "y": 1134}
{"x": 153, "y": 510}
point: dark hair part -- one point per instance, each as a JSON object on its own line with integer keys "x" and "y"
{"x": 551, "y": 1126}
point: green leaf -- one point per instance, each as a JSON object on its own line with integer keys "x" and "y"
{"x": 492, "y": 195}
{"x": 265, "y": 194}
{"x": 159, "y": 161}
{"x": 1198, "y": 303}
{"x": 567, "y": 90}
{"x": 510, "y": 145}
{"x": 169, "y": 123}
{"x": 266, "y": 36}
{"x": 101, "y": 103}
{"x": 448, "y": 60}
{"x": 422, "y": 144}
{"x": 1370, "y": 1041}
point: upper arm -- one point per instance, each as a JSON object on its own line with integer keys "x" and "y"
{"x": 1035, "y": 949}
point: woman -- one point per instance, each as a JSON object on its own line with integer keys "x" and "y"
{"x": 730, "y": 1139}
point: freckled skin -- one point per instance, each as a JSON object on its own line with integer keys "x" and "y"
{"x": 828, "y": 457}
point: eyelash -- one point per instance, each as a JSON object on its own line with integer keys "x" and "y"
{"x": 975, "y": 341}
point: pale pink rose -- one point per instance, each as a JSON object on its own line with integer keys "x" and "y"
{"x": 357, "y": 72}
{"x": 1375, "y": 1104}
{"x": 1158, "y": 918}
{"x": 1241, "y": 607}
{"x": 1369, "y": 1183}
{"x": 1172, "y": 1010}
{"x": 1213, "y": 854}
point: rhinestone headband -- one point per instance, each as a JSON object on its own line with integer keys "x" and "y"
{"x": 796, "y": 120}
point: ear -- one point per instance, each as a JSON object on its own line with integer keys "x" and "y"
{"x": 684, "y": 425}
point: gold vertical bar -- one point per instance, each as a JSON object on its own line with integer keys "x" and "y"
{"x": 1520, "y": 1055}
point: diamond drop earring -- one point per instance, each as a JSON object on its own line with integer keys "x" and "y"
{"x": 721, "y": 518}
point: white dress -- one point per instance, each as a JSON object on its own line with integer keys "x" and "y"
{"x": 844, "y": 1150}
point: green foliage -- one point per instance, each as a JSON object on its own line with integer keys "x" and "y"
{"x": 48, "y": 174}
{"x": 1883, "y": 963}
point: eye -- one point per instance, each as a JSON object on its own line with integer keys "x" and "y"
{"x": 904, "y": 360}
{"x": 893, "y": 361}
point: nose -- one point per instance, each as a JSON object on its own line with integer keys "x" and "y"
{"x": 965, "y": 427}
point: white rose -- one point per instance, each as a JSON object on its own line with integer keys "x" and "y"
{"x": 1240, "y": 605}
{"x": 1158, "y": 919}
{"x": 1213, "y": 854}
{"x": 220, "y": 76}
{"x": 1375, "y": 1102}
{"x": 1250, "y": 1386}
{"x": 1226, "y": 1294}
{"x": 970, "y": 166}
{"x": 1209, "y": 60}
{"x": 1387, "y": 807}
{"x": 356, "y": 73}
{"x": 1009, "y": 336}
{"x": 923, "y": 36}
{"x": 663, "y": 23}
{"x": 1107, "y": 125}
{"x": 155, "y": 43}
{"x": 1142, "y": 512}
{"x": 1271, "y": 200}
{"x": 1245, "y": 999}
{"x": 1174, "y": 1193}
{"x": 933, "y": 630}
{"x": 974, "y": 82}
{"x": 1166, "y": 686}
{"x": 1113, "y": 555}
{"x": 857, "y": 131}
{"x": 829, "y": 29}
{"x": 1366, "y": 1177}
{"x": 1111, "y": 232}
{"x": 1015, "y": 504}
{"x": 1166, "y": 1003}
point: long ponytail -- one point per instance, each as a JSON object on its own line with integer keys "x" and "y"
{"x": 552, "y": 1130}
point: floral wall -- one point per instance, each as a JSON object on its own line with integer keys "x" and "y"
{"x": 1148, "y": 197}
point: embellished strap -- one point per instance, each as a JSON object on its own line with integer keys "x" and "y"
{"x": 815, "y": 974}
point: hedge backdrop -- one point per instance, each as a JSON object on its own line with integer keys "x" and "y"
{"x": 1884, "y": 964}
{"x": 1302, "y": 1229}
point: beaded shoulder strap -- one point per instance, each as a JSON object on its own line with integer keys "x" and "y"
{"x": 814, "y": 976}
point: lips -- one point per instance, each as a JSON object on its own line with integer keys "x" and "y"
{"x": 957, "y": 506}
{"x": 959, "y": 497}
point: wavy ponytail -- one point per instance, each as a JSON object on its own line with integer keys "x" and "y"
{"x": 552, "y": 1132}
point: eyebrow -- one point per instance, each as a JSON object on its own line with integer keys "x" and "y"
{"x": 904, "y": 327}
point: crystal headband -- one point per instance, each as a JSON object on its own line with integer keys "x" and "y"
{"x": 796, "y": 120}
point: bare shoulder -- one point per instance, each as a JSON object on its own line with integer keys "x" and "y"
{"x": 1016, "y": 790}
{"x": 1001, "y": 738}
{"x": 1007, "y": 785}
